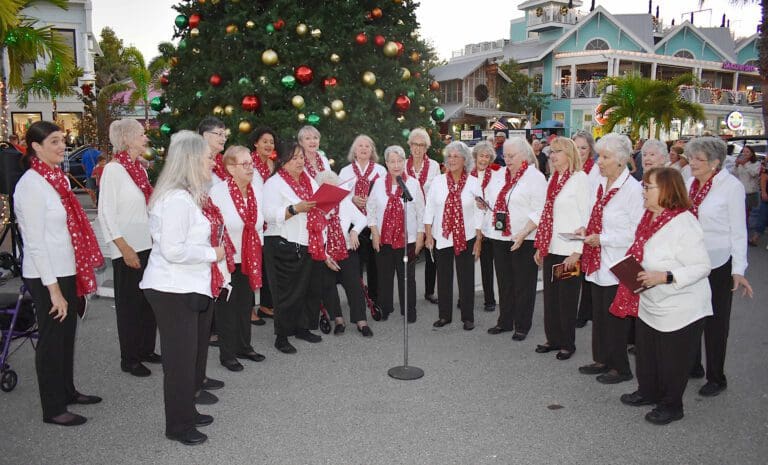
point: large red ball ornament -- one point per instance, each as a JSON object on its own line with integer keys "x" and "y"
{"x": 400, "y": 48}
{"x": 215, "y": 80}
{"x": 379, "y": 40}
{"x": 279, "y": 24}
{"x": 164, "y": 81}
{"x": 304, "y": 74}
{"x": 194, "y": 20}
{"x": 329, "y": 82}
{"x": 361, "y": 39}
{"x": 402, "y": 103}
{"x": 250, "y": 103}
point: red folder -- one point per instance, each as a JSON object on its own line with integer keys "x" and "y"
{"x": 328, "y": 196}
{"x": 626, "y": 270}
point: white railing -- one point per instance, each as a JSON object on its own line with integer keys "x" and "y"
{"x": 714, "y": 96}
{"x": 583, "y": 89}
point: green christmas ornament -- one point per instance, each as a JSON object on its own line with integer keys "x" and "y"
{"x": 182, "y": 44}
{"x": 270, "y": 28}
{"x": 244, "y": 81}
{"x": 199, "y": 94}
{"x": 411, "y": 94}
{"x": 181, "y": 21}
{"x": 438, "y": 114}
{"x": 157, "y": 103}
{"x": 406, "y": 132}
{"x": 166, "y": 129}
{"x": 289, "y": 82}
{"x": 313, "y": 119}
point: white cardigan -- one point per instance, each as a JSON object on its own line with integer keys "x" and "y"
{"x": 223, "y": 199}
{"x": 433, "y": 213}
{"x": 524, "y": 202}
{"x": 278, "y": 195}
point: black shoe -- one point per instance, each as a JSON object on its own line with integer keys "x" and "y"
{"x": 252, "y": 356}
{"x": 151, "y": 358}
{"x": 469, "y": 325}
{"x": 613, "y": 377}
{"x": 282, "y": 344}
{"x": 263, "y": 314}
{"x": 659, "y": 416}
{"x": 412, "y": 316}
{"x": 66, "y": 419}
{"x": 205, "y": 398}
{"x": 440, "y": 323}
{"x": 593, "y": 369}
{"x": 431, "y": 298}
{"x": 339, "y": 329}
{"x": 232, "y": 365}
{"x": 259, "y": 322}
{"x": 210, "y": 384}
{"x": 497, "y": 330}
{"x": 202, "y": 419}
{"x": 519, "y": 336}
{"x": 366, "y": 331}
{"x": 635, "y": 399}
{"x": 544, "y": 348}
{"x": 697, "y": 372}
{"x": 306, "y": 335}
{"x": 563, "y": 355}
{"x": 136, "y": 369}
{"x": 84, "y": 399}
{"x": 712, "y": 389}
{"x": 581, "y": 322}
{"x": 384, "y": 316}
{"x": 213, "y": 342}
{"x": 192, "y": 437}
{"x": 490, "y": 307}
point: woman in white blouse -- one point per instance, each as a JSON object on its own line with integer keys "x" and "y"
{"x": 57, "y": 276}
{"x": 718, "y": 202}
{"x": 315, "y": 161}
{"x": 424, "y": 169}
{"x": 483, "y": 155}
{"x": 385, "y": 218}
{"x": 125, "y": 192}
{"x": 289, "y": 265}
{"x": 747, "y": 170}
{"x": 616, "y": 206}
{"x": 242, "y": 208}
{"x": 669, "y": 244}
{"x": 516, "y": 196}
{"x": 452, "y": 226}
{"x": 654, "y": 154}
{"x": 179, "y": 280}
{"x": 566, "y": 210}
{"x": 214, "y": 132}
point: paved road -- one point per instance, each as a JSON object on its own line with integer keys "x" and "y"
{"x": 484, "y": 400}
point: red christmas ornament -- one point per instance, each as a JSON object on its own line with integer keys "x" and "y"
{"x": 250, "y": 103}
{"x": 361, "y": 39}
{"x": 279, "y": 24}
{"x": 434, "y": 86}
{"x": 400, "y": 48}
{"x": 417, "y": 75}
{"x": 304, "y": 74}
{"x": 194, "y": 20}
{"x": 379, "y": 40}
{"x": 164, "y": 81}
{"x": 402, "y": 103}
{"x": 215, "y": 80}
{"x": 329, "y": 82}
{"x": 376, "y": 13}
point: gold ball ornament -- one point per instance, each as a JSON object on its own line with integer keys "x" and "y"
{"x": 301, "y": 29}
{"x": 245, "y": 127}
{"x": 390, "y": 49}
{"x": 379, "y": 94}
{"x": 263, "y": 80}
{"x": 405, "y": 74}
{"x": 229, "y": 109}
{"x": 340, "y": 115}
{"x": 250, "y": 24}
{"x": 176, "y": 112}
{"x": 298, "y": 102}
{"x": 400, "y": 22}
{"x": 337, "y": 105}
{"x": 316, "y": 33}
{"x": 369, "y": 78}
{"x": 231, "y": 29}
{"x": 422, "y": 108}
{"x": 174, "y": 61}
{"x": 415, "y": 56}
{"x": 401, "y": 119}
{"x": 196, "y": 51}
{"x": 194, "y": 32}
{"x": 326, "y": 111}
{"x": 301, "y": 117}
{"x": 335, "y": 58}
{"x": 269, "y": 57}
{"x": 218, "y": 109}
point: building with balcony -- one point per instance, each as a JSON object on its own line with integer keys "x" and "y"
{"x": 571, "y": 51}
{"x": 75, "y": 26}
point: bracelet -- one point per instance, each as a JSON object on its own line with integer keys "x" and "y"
{"x": 292, "y": 210}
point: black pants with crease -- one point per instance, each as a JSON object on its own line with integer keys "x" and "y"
{"x": 290, "y": 272}
{"x": 136, "y": 326}
{"x": 516, "y": 273}
{"x": 609, "y": 333}
{"x": 716, "y": 326}
{"x": 390, "y": 263}
{"x": 233, "y": 317}
{"x": 560, "y": 301}
{"x": 465, "y": 276}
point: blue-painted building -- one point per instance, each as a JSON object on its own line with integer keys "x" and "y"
{"x": 570, "y": 51}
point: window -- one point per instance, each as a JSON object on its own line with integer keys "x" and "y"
{"x": 684, "y": 54}
{"x": 451, "y": 91}
{"x": 22, "y": 121}
{"x": 68, "y": 36}
{"x": 481, "y": 93}
{"x": 597, "y": 44}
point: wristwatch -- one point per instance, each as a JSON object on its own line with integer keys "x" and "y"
{"x": 670, "y": 277}
{"x": 292, "y": 210}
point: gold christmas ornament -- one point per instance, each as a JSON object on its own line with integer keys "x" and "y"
{"x": 422, "y": 109}
{"x": 250, "y": 24}
{"x": 298, "y": 102}
{"x": 400, "y": 22}
{"x": 415, "y": 56}
{"x": 229, "y": 109}
{"x": 174, "y": 61}
{"x": 326, "y": 111}
{"x": 301, "y": 29}
{"x": 244, "y": 127}
{"x": 269, "y": 57}
{"x": 231, "y": 29}
{"x": 390, "y": 49}
{"x": 369, "y": 78}
{"x": 194, "y": 32}
{"x": 263, "y": 80}
{"x": 335, "y": 58}
{"x": 340, "y": 115}
{"x": 379, "y": 94}
{"x": 218, "y": 109}
{"x": 301, "y": 117}
{"x": 176, "y": 112}
{"x": 414, "y": 35}
{"x": 405, "y": 74}
{"x": 337, "y": 105}
{"x": 196, "y": 51}
{"x": 316, "y": 33}
{"x": 401, "y": 119}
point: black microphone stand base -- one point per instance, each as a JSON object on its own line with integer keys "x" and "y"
{"x": 405, "y": 372}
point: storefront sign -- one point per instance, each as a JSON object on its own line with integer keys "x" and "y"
{"x": 737, "y": 67}
{"x": 734, "y": 121}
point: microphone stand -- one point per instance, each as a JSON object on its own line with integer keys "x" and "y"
{"x": 404, "y": 371}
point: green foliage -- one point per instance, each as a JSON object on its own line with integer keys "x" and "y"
{"x": 237, "y": 58}
{"x": 111, "y": 66}
{"x": 50, "y": 83}
{"x": 519, "y": 94}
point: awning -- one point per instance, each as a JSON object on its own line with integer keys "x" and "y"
{"x": 490, "y": 113}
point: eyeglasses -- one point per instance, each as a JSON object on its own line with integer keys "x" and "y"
{"x": 647, "y": 187}
{"x": 219, "y": 133}
{"x": 245, "y": 164}
{"x": 418, "y": 144}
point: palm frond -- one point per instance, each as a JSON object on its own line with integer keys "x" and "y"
{"x": 33, "y": 42}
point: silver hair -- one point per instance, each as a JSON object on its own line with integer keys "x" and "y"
{"x": 396, "y": 149}
{"x": 656, "y": 143}
{"x": 713, "y": 147}
{"x": 419, "y": 132}
{"x": 306, "y": 131}
{"x": 483, "y": 146}
{"x": 462, "y": 149}
{"x": 121, "y": 130}
{"x": 230, "y": 155}
{"x": 616, "y": 144}
{"x": 327, "y": 177}
{"x": 587, "y": 137}
{"x": 518, "y": 143}
{"x": 351, "y": 155}
{"x": 184, "y": 168}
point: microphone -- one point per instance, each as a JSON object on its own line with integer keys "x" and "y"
{"x": 406, "y": 193}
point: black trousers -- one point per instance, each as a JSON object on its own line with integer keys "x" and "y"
{"x": 516, "y": 273}
{"x": 349, "y": 277}
{"x": 663, "y": 361}
{"x": 560, "y": 301}
{"x": 290, "y": 271}
{"x": 585, "y": 300}
{"x": 486, "y": 271}
{"x": 390, "y": 262}
{"x": 465, "y": 275}
{"x": 265, "y": 293}
{"x": 184, "y": 322}
{"x": 322, "y": 290}
{"x": 233, "y": 317}
{"x": 55, "y": 353}
{"x": 609, "y": 333}
{"x": 430, "y": 273}
{"x": 716, "y": 326}
{"x": 136, "y": 326}
{"x": 368, "y": 262}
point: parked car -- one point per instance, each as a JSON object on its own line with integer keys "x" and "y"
{"x": 73, "y": 164}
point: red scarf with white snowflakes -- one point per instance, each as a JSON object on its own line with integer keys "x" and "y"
{"x": 392, "y": 231}
{"x": 486, "y": 177}
{"x": 313, "y": 156}
{"x": 453, "y": 214}
{"x": 336, "y": 243}
{"x": 501, "y": 201}
{"x": 219, "y": 169}
{"x": 261, "y": 166}
{"x": 590, "y": 258}
{"x": 315, "y": 219}
{"x": 422, "y": 176}
{"x": 250, "y": 245}
{"x": 137, "y": 173}
{"x": 363, "y": 184}
{"x": 87, "y": 253}
{"x": 699, "y": 192}
{"x": 588, "y": 165}
{"x": 544, "y": 230}
{"x": 214, "y": 216}
{"x": 626, "y": 302}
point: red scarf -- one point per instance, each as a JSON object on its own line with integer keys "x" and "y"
{"x": 544, "y": 231}
{"x": 626, "y": 302}
{"x": 363, "y": 184}
{"x": 590, "y": 258}
{"x": 422, "y": 177}
{"x": 250, "y": 245}
{"x": 501, "y": 201}
{"x": 219, "y": 169}
{"x": 213, "y": 214}
{"x": 392, "y": 231}
{"x": 588, "y": 165}
{"x": 698, "y": 192}
{"x": 87, "y": 253}
{"x": 486, "y": 177}
{"x": 137, "y": 173}
{"x": 261, "y": 166}
{"x": 318, "y": 161}
{"x": 453, "y": 214}
{"x": 337, "y": 244}
{"x": 315, "y": 219}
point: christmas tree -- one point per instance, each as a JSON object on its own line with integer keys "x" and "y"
{"x": 347, "y": 67}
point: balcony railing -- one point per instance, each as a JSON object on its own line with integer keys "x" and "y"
{"x": 714, "y": 96}
{"x": 553, "y": 15}
{"x": 583, "y": 89}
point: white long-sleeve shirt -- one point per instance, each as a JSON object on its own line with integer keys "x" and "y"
{"x": 435, "y": 208}
{"x": 432, "y": 171}
{"x": 223, "y": 199}
{"x": 123, "y": 210}
{"x": 42, "y": 219}
{"x": 181, "y": 257}
{"x": 278, "y": 195}
{"x": 569, "y": 213}
{"x": 351, "y": 219}
{"x": 677, "y": 247}
{"x": 620, "y": 219}
{"x": 723, "y": 219}
{"x": 349, "y": 178}
{"x": 749, "y": 175}
{"x": 524, "y": 202}
{"x": 377, "y": 204}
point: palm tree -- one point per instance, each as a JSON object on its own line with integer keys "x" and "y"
{"x": 22, "y": 42}
{"x": 50, "y": 83}
{"x": 143, "y": 77}
{"x": 666, "y": 103}
{"x": 626, "y": 98}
